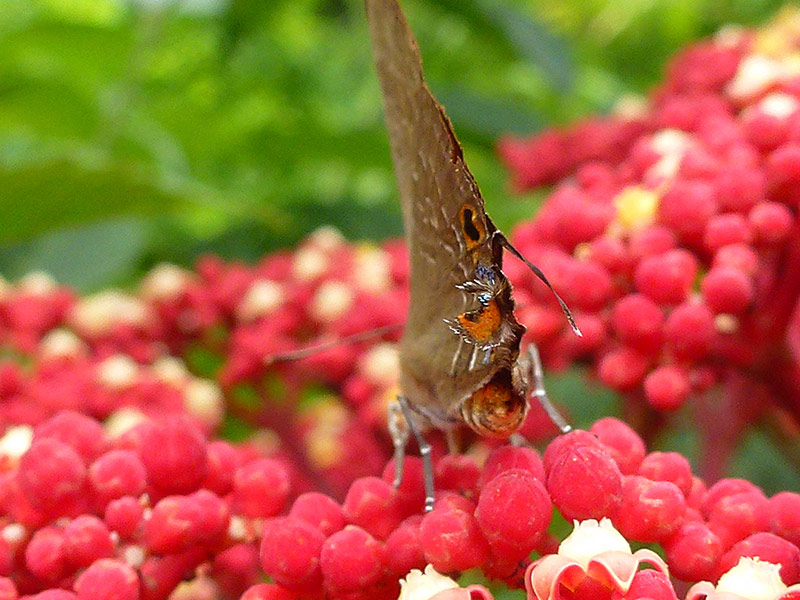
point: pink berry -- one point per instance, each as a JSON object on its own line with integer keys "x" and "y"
{"x": 87, "y": 539}
{"x": 290, "y": 552}
{"x": 84, "y": 434}
{"x": 783, "y": 172}
{"x": 739, "y": 187}
{"x": 178, "y": 523}
{"x": 666, "y": 278}
{"x": 174, "y": 454}
{"x": 689, "y": 331}
{"x": 124, "y": 516}
{"x": 651, "y": 241}
{"x": 44, "y": 554}
{"x": 452, "y": 539}
{"x": 651, "y": 510}
{"x": 621, "y": 442}
{"x": 53, "y": 595}
{"x": 351, "y": 560}
{"x": 108, "y": 579}
{"x": 771, "y": 222}
{"x": 404, "y": 548}
{"x": 599, "y": 492}
{"x": 622, "y": 369}
{"x": 589, "y": 286}
{"x": 321, "y": 511}
{"x": 505, "y": 457}
{"x": 725, "y": 229}
{"x": 371, "y": 504}
{"x": 667, "y": 387}
{"x": 727, "y": 290}
{"x": 786, "y": 516}
{"x": 697, "y": 495}
{"x": 260, "y": 488}
{"x": 770, "y": 548}
{"x": 693, "y": 552}
{"x": 514, "y": 511}
{"x": 51, "y": 474}
{"x": 116, "y": 474}
{"x": 638, "y": 322}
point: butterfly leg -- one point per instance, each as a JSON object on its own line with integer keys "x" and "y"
{"x": 537, "y": 378}
{"x": 424, "y": 450}
{"x": 399, "y": 430}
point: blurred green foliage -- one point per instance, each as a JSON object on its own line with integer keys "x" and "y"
{"x": 133, "y": 132}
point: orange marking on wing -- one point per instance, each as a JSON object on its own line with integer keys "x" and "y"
{"x": 471, "y": 226}
{"x": 483, "y": 324}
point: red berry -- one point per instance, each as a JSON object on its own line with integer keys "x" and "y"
{"x": 588, "y": 287}
{"x": 736, "y": 516}
{"x": 411, "y": 493}
{"x": 124, "y": 516}
{"x": 666, "y": 278}
{"x": 666, "y": 388}
{"x": 651, "y": 241}
{"x": 44, "y": 554}
{"x": 84, "y": 434}
{"x": 506, "y": 457}
{"x": 770, "y": 548}
{"x": 351, "y": 560}
{"x": 727, "y": 290}
{"x": 693, "y": 552}
{"x": 290, "y": 552}
{"x": 51, "y": 474}
{"x": 651, "y": 510}
{"x": 452, "y": 539}
{"x": 729, "y": 228}
{"x": 174, "y": 454}
{"x": 651, "y": 583}
{"x": 689, "y": 331}
{"x": 621, "y": 442}
{"x": 739, "y": 187}
{"x": 622, "y": 369}
{"x": 116, "y": 474}
{"x": 223, "y": 460}
{"x": 724, "y": 488}
{"x": 584, "y": 482}
{"x": 567, "y": 443}
{"x": 267, "y": 591}
{"x": 404, "y": 548}
{"x": 87, "y": 539}
{"x": 371, "y": 504}
{"x": 786, "y": 516}
{"x": 668, "y": 466}
{"x": 771, "y": 222}
{"x": 260, "y": 488}
{"x": 458, "y": 473}
{"x": 514, "y": 511}
{"x": 108, "y": 579}
{"x": 686, "y": 208}
{"x": 737, "y": 256}
{"x": 638, "y": 322}
{"x": 321, "y": 511}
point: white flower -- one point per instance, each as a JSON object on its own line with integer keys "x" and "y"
{"x": 422, "y": 586}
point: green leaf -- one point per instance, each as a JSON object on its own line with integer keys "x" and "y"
{"x": 85, "y": 258}
{"x": 533, "y": 41}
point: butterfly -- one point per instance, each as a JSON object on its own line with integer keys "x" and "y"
{"x": 460, "y": 358}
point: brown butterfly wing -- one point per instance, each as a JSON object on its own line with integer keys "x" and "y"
{"x": 450, "y": 238}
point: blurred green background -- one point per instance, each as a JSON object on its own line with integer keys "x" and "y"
{"x": 133, "y": 132}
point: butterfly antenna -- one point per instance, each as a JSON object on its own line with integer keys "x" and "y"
{"x": 538, "y": 272}
{"x": 316, "y": 348}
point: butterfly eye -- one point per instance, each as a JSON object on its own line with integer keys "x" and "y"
{"x": 471, "y": 226}
{"x": 484, "y": 298}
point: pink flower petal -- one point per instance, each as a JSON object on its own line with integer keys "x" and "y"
{"x": 544, "y": 576}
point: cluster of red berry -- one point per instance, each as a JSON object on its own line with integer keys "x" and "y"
{"x": 673, "y": 230}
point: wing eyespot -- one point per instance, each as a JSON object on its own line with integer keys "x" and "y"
{"x": 471, "y": 225}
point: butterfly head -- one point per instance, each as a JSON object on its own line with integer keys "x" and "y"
{"x": 498, "y": 408}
